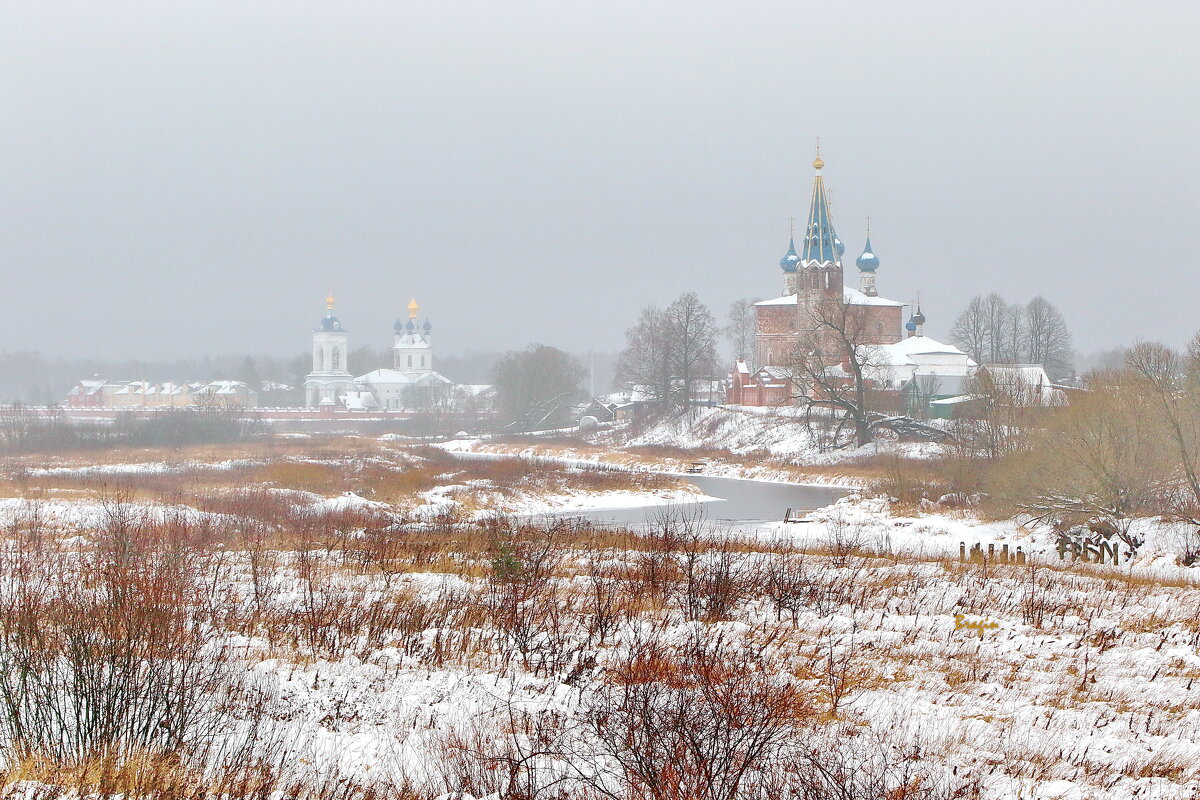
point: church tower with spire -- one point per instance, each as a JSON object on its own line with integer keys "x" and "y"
{"x": 812, "y": 276}
{"x": 815, "y": 271}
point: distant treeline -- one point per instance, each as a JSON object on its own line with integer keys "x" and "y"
{"x": 22, "y": 431}
{"x": 33, "y": 379}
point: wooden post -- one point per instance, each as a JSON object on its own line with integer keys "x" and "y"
{"x": 1004, "y": 553}
{"x": 1021, "y": 555}
{"x": 962, "y": 551}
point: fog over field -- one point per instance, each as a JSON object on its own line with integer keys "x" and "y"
{"x": 193, "y": 178}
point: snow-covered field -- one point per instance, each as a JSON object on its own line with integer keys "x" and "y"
{"x": 447, "y": 656}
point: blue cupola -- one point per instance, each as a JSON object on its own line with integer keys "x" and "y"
{"x": 791, "y": 259}
{"x": 868, "y": 261}
{"x": 398, "y": 327}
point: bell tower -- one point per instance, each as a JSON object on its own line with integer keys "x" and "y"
{"x": 330, "y": 376}
{"x": 412, "y": 350}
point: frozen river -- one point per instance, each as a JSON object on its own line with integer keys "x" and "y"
{"x": 739, "y": 501}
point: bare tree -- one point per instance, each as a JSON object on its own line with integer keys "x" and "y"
{"x": 534, "y": 385}
{"x": 835, "y": 365}
{"x": 668, "y": 349}
{"x": 1099, "y": 459}
{"x": 1004, "y": 413}
{"x": 741, "y": 327}
{"x": 1000, "y": 327}
{"x": 693, "y": 333}
{"x": 969, "y": 332}
{"x": 1047, "y": 341}
{"x": 1164, "y": 376}
{"x": 997, "y": 332}
{"x": 648, "y": 358}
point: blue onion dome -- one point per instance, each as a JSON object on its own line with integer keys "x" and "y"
{"x": 411, "y": 326}
{"x": 918, "y": 317}
{"x": 329, "y": 322}
{"x": 398, "y": 326}
{"x": 838, "y": 246}
{"x": 427, "y": 327}
{"x": 868, "y": 261}
{"x": 790, "y": 260}
{"x": 910, "y": 326}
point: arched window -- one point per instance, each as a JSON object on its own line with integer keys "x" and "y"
{"x": 770, "y": 358}
{"x": 337, "y": 359}
{"x": 320, "y": 360}
{"x": 410, "y": 362}
{"x": 422, "y": 361}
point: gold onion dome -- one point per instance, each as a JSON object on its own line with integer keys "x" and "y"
{"x": 329, "y": 300}
{"x": 818, "y": 163}
{"x": 413, "y": 308}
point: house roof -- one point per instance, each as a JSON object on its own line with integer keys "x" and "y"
{"x": 414, "y": 377}
{"x": 852, "y": 297}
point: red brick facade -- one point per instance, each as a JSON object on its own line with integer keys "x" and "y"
{"x": 779, "y": 324}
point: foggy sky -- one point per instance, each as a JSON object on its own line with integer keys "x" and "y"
{"x": 178, "y": 179}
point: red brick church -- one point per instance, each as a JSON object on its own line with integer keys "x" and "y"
{"x": 811, "y": 276}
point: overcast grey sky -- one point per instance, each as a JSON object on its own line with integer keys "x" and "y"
{"x": 186, "y": 178}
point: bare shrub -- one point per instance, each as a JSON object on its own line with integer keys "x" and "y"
{"x": 789, "y": 585}
{"x": 705, "y": 720}
{"x": 845, "y": 537}
{"x": 102, "y": 654}
{"x": 714, "y": 583}
{"x": 521, "y": 594}
{"x": 843, "y": 764}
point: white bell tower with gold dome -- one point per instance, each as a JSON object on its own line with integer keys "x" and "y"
{"x": 330, "y": 378}
{"x": 412, "y": 350}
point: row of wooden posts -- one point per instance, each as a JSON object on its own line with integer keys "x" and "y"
{"x": 1101, "y": 552}
{"x": 976, "y": 554}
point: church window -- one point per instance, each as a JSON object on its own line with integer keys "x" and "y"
{"x": 337, "y": 359}
{"x": 410, "y": 361}
{"x": 320, "y": 361}
{"x": 422, "y": 361}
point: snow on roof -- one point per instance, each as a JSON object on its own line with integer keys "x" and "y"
{"x": 923, "y": 345}
{"x": 403, "y": 376}
{"x": 786, "y": 300}
{"x": 852, "y": 297}
{"x": 1030, "y": 374}
{"x": 778, "y": 373}
{"x": 886, "y": 355}
{"x": 359, "y": 401}
{"x": 953, "y": 401}
{"x": 475, "y": 389}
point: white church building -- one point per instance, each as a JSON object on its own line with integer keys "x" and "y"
{"x": 410, "y": 384}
